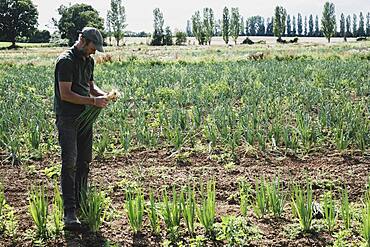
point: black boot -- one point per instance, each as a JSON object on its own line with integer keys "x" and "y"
{"x": 71, "y": 223}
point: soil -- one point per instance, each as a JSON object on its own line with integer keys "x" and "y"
{"x": 152, "y": 170}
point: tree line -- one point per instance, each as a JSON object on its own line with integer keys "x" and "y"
{"x": 281, "y": 24}
{"x": 18, "y": 22}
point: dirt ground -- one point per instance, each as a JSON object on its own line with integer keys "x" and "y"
{"x": 156, "y": 169}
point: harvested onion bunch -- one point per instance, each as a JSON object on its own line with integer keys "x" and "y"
{"x": 87, "y": 118}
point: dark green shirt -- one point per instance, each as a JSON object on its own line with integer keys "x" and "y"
{"x": 72, "y": 66}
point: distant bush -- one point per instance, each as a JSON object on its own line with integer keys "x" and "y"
{"x": 180, "y": 38}
{"x": 283, "y": 41}
{"x": 167, "y": 39}
{"x": 40, "y": 36}
{"x": 247, "y": 41}
{"x": 57, "y": 40}
{"x": 361, "y": 39}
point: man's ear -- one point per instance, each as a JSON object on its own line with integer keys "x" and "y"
{"x": 83, "y": 41}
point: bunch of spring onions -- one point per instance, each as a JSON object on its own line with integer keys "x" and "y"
{"x": 91, "y": 113}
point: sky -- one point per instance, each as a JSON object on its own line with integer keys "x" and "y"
{"x": 139, "y": 13}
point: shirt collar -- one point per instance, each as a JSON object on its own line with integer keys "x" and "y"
{"x": 77, "y": 52}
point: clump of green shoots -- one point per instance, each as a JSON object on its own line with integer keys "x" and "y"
{"x": 189, "y": 209}
{"x": 244, "y": 190}
{"x": 8, "y": 221}
{"x": 330, "y": 215}
{"x": 275, "y": 197}
{"x": 207, "y": 209}
{"x": 135, "y": 210}
{"x": 261, "y": 204}
{"x": 302, "y": 205}
{"x": 2, "y": 208}
{"x": 346, "y": 212}
{"x": 366, "y": 217}
{"x": 93, "y": 208}
{"x": 57, "y": 213}
{"x": 152, "y": 211}
{"x": 171, "y": 213}
{"x": 38, "y": 207}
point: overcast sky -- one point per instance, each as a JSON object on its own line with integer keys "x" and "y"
{"x": 139, "y": 13}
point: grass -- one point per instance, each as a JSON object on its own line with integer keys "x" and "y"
{"x": 26, "y": 45}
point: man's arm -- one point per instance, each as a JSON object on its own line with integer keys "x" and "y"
{"x": 95, "y": 90}
{"x": 66, "y": 94}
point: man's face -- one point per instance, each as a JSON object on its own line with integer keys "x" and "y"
{"x": 89, "y": 48}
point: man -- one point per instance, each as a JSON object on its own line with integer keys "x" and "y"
{"x": 74, "y": 89}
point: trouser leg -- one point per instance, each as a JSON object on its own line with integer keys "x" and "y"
{"x": 84, "y": 157}
{"x": 67, "y": 134}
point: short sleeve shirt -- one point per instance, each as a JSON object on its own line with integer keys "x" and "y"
{"x": 72, "y": 66}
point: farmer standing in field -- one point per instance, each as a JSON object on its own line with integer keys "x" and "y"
{"x": 74, "y": 89}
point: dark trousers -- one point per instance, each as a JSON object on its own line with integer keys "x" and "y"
{"x": 76, "y": 157}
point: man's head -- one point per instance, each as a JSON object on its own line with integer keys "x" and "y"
{"x": 90, "y": 40}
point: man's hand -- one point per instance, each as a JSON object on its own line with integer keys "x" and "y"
{"x": 101, "y": 101}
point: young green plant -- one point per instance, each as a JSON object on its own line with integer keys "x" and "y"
{"x": 135, "y": 210}
{"x": 93, "y": 207}
{"x": 171, "y": 213}
{"x": 346, "y": 212}
{"x": 38, "y": 208}
{"x": 302, "y": 205}
{"x": 330, "y": 214}
{"x": 206, "y": 211}
{"x": 261, "y": 204}
{"x": 189, "y": 209}
{"x": 275, "y": 197}
{"x": 152, "y": 211}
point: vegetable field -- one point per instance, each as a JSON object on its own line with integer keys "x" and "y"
{"x": 205, "y": 147}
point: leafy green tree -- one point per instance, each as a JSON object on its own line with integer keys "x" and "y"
{"x": 361, "y": 26}
{"x": 294, "y": 31}
{"x": 328, "y": 22}
{"x": 256, "y": 26}
{"x": 288, "y": 26}
{"x": 279, "y": 21}
{"x": 18, "y": 18}
{"x": 218, "y": 28}
{"x": 189, "y": 33}
{"x": 343, "y": 27}
{"x": 348, "y": 26}
{"x": 40, "y": 36}
{"x": 235, "y": 24}
{"x": 117, "y": 19}
{"x": 198, "y": 28}
{"x": 270, "y": 27}
{"x": 75, "y": 18}
{"x": 167, "y": 39}
{"x": 242, "y": 26}
{"x": 180, "y": 38}
{"x": 305, "y": 26}
{"x": 299, "y": 24}
{"x": 226, "y": 25}
{"x": 247, "y": 27}
{"x": 209, "y": 24}
{"x": 310, "y": 26}
{"x": 354, "y": 25}
{"x": 157, "y": 38}
{"x": 317, "y": 27}
{"x": 109, "y": 28}
{"x": 368, "y": 24}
